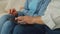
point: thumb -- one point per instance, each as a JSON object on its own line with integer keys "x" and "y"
{"x": 19, "y": 18}
{"x": 16, "y": 18}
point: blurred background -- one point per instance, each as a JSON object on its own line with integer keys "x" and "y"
{"x": 7, "y": 4}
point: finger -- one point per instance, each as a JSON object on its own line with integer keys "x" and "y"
{"x": 16, "y": 18}
{"x": 9, "y": 11}
{"x": 14, "y": 10}
{"x": 19, "y": 19}
{"x": 21, "y": 22}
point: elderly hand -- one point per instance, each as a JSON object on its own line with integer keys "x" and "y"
{"x": 25, "y": 19}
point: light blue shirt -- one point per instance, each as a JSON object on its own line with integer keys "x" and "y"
{"x": 35, "y": 7}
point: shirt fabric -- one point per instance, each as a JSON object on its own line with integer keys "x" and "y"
{"x": 52, "y": 16}
{"x": 35, "y": 7}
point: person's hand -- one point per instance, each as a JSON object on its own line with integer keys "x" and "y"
{"x": 25, "y": 19}
{"x": 12, "y": 12}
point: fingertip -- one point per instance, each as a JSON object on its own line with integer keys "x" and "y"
{"x": 14, "y": 9}
{"x": 16, "y": 18}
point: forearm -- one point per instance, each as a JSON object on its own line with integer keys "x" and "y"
{"x": 38, "y": 20}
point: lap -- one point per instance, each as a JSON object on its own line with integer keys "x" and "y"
{"x": 6, "y": 24}
{"x": 49, "y": 31}
{"x": 28, "y": 29}
{"x": 8, "y": 27}
{"x": 6, "y": 17}
{"x": 53, "y": 32}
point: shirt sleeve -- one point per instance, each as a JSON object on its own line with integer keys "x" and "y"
{"x": 47, "y": 19}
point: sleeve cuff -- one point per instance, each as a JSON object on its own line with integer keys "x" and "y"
{"x": 48, "y": 21}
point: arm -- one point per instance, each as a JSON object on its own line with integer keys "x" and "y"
{"x": 46, "y": 19}
{"x": 38, "y": 20}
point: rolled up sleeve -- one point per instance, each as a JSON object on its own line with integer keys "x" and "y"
{"x": 47, "y": 19}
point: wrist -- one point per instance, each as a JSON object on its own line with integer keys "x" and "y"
{"x": 38, "y": 20}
